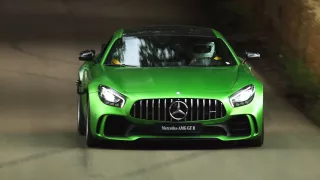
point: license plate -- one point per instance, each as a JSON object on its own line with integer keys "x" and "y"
{"x": 179, "y": 128}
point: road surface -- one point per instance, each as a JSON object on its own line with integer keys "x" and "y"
{"x": 39, "y": 44}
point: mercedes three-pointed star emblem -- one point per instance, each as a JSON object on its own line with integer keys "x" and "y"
{"x": 178, "y": 110}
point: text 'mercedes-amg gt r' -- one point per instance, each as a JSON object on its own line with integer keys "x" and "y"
{"x": 168, "y": 82}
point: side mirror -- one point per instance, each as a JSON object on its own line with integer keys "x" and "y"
{"x": 252, "y": 55}
{"x": 87, "y": 55}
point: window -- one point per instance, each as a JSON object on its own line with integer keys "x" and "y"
{"x": 103, "y": 50}
{"x": 168, "y": 51}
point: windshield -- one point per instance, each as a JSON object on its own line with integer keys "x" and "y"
{"x": 169, "y": 51}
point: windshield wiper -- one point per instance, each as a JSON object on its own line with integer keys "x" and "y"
{"x": 121, "y": 65}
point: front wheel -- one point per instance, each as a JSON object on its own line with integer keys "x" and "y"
{"x": 257, "y": 142}
{"x": 80, "y": 119}
{"x": 91, "y": 141}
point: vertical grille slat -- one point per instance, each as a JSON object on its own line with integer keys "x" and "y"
{"x": 171, "y": 101}
{"x": 158, "y": 109}
{"x": 209, "y": 108}
{"x": 197, "y": 109}
{"x": 134, "y": 110}
{"x": 140, "y": 109}
{"x": 221, "y": 108}
{"x": 215, "y": 109}
{"x": 152, "y": 109}
{"x": 188, "y": 115}
{"x": 147, "y": 110}
{"x": 165, "y": 110}
{"x": 203, "y": 109}
{"x": 191, "y": 117}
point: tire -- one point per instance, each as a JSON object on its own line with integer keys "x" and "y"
{"x": 258, "y": 142}
{"x": 91, "y": 141}
{"x": 80, "y": 119}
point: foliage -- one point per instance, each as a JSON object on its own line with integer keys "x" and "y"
{"x": 305, "y": 84}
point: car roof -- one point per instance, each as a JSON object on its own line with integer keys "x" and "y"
{"x": 170, "y": 30}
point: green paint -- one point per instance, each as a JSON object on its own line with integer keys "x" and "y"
{"x": 137, "y": 83}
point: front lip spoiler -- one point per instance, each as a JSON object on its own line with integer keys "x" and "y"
{"x": 167, "y": 141}
{"x": 178, "y": 139}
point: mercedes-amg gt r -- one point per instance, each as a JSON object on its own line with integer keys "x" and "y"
{"x": 169, "y": 82}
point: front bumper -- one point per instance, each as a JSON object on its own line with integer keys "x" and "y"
{"x": 114, "y": 123}
{"x": 115, "y": 127}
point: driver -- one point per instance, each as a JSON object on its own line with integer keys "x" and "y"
{"x": 204, "y": 54}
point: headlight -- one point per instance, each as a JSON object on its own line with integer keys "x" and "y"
{"x": 242, "y": 97}
{"x": 111, "y": 97}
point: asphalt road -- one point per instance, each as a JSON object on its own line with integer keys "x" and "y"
{"x": 39, "y": 44}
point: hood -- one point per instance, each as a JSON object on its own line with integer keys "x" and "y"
{"x": 191, "y": 79}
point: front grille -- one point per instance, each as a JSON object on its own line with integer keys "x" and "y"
{"x": 159, "y": 109}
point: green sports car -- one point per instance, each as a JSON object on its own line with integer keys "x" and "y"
{"x": 169, "y": 82}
